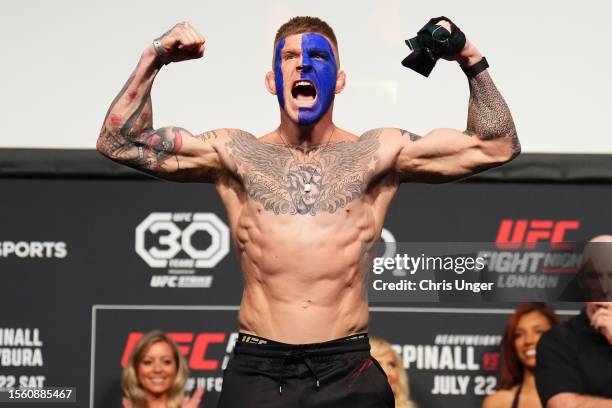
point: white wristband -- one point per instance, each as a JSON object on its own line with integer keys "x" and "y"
{"x": 160, "y": 51}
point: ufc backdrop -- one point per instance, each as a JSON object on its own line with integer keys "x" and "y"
{"x": 90, "y": 261}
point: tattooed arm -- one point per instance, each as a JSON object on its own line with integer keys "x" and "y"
{"x": 489, "y": 140}
{"x": 128, "y": 136}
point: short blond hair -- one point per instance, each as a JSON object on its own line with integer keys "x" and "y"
{"x": 305, "y": 24}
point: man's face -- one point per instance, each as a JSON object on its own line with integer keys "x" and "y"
{"x": 305, "y": 72}
{"x": 596, "y": 274}
{"x": 596, "y": 282}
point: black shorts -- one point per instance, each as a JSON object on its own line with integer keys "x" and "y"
{"x": 338, "y": 373}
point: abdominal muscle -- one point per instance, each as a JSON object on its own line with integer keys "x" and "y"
{"x": 303, "y": 274}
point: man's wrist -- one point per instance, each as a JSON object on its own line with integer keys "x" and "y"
{"x": 468, "y": 56}
{"x": 160, "y": 51}
{"x": 470, "y": 61}
{"x": 475, "y": 69}
{"x": 149, "y": 54}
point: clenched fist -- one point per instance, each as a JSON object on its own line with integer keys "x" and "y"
{"x": 182, "y": 42}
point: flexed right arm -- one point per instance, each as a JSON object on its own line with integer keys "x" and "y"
{"x": 128, "y": 136}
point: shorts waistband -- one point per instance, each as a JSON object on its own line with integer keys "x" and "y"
{"x": 252, "y": 339}
{"x": 261, "y": 346}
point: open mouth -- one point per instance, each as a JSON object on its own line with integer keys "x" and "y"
{"x": 304, "y": 91}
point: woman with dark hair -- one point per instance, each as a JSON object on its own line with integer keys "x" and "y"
{"x": 156, "y": 374}
{"x": 517, "y": 381}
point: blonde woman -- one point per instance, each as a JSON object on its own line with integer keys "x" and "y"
{"x": 393, "y": 366}
{"x": 156, "y": 374}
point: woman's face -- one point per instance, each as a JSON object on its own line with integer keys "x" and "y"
{"x": 387, "y": 362}
{"x": 528, "y": 331}
{"x": 157, "y": 369}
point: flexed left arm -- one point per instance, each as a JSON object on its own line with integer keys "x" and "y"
{"x": 490, "y": 138}
{"x": 488, "y": 114}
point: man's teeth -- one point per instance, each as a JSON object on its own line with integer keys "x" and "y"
{"x": 302, "y": 83}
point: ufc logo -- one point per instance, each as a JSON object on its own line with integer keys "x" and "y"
{"x": 196, "y": 354}
{"x": 526, "y": 234}
{"x": 173, "y": 240}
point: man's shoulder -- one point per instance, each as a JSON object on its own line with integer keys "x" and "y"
{"x": 222, "y": 137}
{"x": 391, "y": 132}
{"x": 341, "y": 135}
{"x": 563, "y": 334}
{"x": 239, "y": 133}
{"x": 238, "y": 139}
{"x": 377, "y": 133}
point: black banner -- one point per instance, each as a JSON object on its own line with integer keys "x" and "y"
{"x": 87, "y": 265}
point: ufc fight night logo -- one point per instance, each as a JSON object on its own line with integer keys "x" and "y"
{"x": 169, "y": 240}
{"x": 517, "y": 234}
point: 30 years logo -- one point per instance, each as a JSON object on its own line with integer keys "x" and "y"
{"x": 174, "y": 233}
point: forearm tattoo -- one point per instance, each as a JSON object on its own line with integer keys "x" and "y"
{"x": 488, "y": 114}
{"x": 128, "y": 136}
{"x": 322, "y": 179}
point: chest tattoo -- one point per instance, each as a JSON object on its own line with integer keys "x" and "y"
{"x": 321, "y": 179}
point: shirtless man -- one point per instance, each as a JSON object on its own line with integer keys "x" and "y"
{"x": 305, "y": 203}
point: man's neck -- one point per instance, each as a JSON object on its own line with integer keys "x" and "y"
{"x": 293, "y": 134}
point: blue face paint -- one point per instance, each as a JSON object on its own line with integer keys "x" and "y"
{"x": 319, "y": 67}
{"x": 278, "y": 74}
